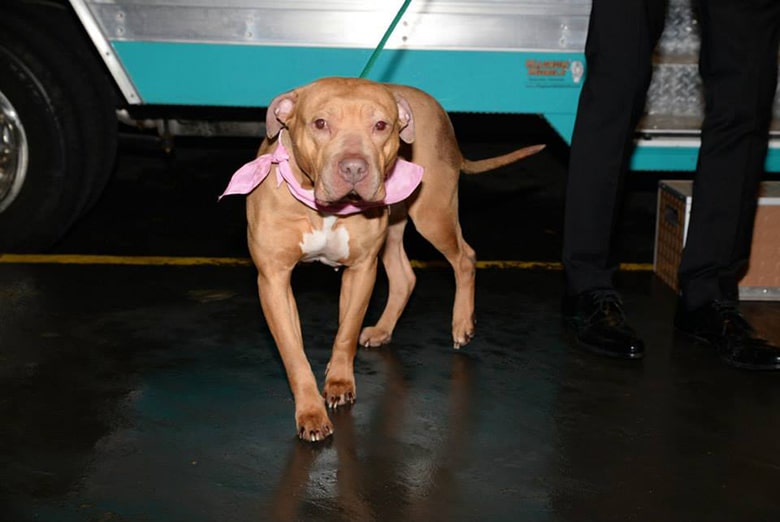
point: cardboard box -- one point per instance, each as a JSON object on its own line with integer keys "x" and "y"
{"x": 762, "y": 280}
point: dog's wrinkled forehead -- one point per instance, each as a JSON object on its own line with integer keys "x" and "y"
{"x": 334, "y": 97}
{"x": 339, "y": 98}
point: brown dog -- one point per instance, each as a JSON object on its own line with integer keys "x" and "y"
{"x": 336, "y": 141}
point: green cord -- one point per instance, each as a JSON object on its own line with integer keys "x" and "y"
{"x": 383, "y": 41}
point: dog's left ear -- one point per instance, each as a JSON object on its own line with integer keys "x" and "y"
{"x": 279, "y": 112}
{"x": 406, "y": 119}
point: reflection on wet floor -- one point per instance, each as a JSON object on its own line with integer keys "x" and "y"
{"x": 156, "y": 393}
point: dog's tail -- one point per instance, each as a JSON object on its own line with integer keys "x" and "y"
{"x": 484, "y": 165}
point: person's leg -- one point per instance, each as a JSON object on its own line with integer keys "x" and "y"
{"x": 621, "y": 37}
{"x": 738, "y": 65}
{"x": 739, "y": 70}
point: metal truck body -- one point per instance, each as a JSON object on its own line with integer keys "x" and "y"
{"x": 66, "y": 66}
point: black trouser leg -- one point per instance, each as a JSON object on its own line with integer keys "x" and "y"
{"x": 621, "y": 38}
{"x": 738, "y": 64}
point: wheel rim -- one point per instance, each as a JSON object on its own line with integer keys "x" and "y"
{"x": 13, "y": 153}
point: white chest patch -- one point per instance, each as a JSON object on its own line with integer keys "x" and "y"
{"x": 327, "y": 245}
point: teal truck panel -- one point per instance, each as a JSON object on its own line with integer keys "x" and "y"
{"x": 492, "y": 56}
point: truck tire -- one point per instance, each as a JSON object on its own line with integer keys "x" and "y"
{"x": 57, "y": 127}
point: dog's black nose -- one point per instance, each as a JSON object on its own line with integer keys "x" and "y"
{"x": 353, "y": 169}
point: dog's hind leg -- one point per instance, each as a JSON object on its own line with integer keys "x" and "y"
{"x": 437, "y": 221}
{"x": 400, "y": 280}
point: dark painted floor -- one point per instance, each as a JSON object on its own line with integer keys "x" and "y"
{"x": 154, "y": 393}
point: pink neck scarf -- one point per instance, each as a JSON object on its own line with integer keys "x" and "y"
{"x": 399, "y": 184}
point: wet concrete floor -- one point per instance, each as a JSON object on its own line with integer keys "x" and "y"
{"x": 155, "y": 393}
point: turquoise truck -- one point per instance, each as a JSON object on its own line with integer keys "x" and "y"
{"x": 70, "y": 70}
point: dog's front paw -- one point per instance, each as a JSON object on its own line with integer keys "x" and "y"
{"x": 339, "y": 392}
{"x": 372, "y": 336}
{"x": 313, "y": 424}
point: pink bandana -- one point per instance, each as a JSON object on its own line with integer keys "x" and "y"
{"x": 399, "y": 184}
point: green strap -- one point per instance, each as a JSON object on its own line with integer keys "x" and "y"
{"x": 383, "y": 41}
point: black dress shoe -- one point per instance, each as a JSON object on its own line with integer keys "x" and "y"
{"x": 597, "y": 322}
{"x": 721, "y": 325}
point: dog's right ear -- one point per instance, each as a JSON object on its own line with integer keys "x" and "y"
{"x": 279, "y": 112}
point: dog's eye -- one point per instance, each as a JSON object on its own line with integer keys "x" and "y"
{"x": 320, "y": 124}
{"x": 380, "y": 126}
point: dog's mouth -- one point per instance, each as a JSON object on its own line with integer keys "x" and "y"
{"x": 352, "y": 197}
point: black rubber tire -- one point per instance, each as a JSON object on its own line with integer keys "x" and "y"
{"x": 66, "y": 107}
{"x": 97, "y": 97}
